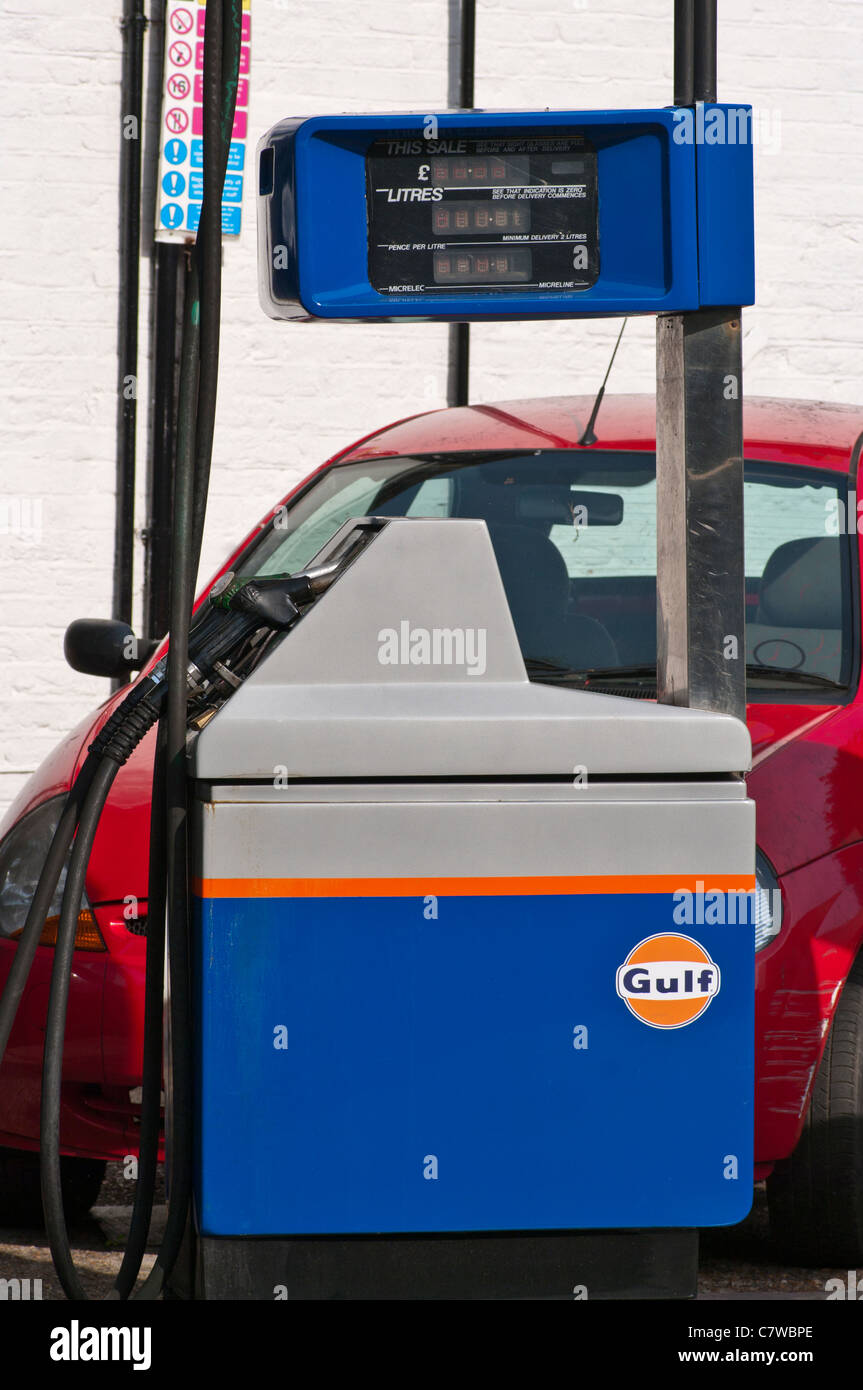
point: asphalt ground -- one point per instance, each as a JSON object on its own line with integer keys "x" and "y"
{"x": 739, "y": 1262}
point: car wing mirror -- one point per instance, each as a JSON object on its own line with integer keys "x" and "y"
{"x": 106, "y": 647}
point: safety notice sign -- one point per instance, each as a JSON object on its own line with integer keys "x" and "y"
{"x": 181, "y": 144}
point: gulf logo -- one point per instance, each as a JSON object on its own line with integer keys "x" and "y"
{"x": 668, "y": 980}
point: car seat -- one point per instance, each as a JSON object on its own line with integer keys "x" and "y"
{"x": 536, "y": 582}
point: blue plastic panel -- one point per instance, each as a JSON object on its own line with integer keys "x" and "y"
{"x": 313, "y": 237}
{"x": 453, "y": 1040}
{"x": 723, "y": 145}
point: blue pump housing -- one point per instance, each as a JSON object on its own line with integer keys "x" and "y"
{"x": 433, "y": 1080}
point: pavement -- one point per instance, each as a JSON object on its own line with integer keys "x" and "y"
{"x": 739, "y": 1263}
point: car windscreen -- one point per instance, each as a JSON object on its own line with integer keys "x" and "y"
{"x": 574, "y": 535}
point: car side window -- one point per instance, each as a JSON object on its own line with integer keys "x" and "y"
{"x": 796, "y": 576}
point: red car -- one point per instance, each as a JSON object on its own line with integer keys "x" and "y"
{"x": 583, "y": 600}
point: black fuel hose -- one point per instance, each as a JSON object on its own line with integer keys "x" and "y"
{"x": 221, "y": 77}
{"x": 86, "y": 799}
{"x": 116, "y": 752}
{"x": 168, "y": 883}
{"x": 178, "y": 1114}
{"x": 151, "y": 1072}
{"x": 52, "y": 868}
{"x": 55, "y": 1029}
{"x": 215, "y": 635}
{"x": 223, "y": 23}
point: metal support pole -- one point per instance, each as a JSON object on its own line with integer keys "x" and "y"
{"x": 701, "y": 643}
{"x": 701, "y": 646}
{"x": 462, "y": 50}
{"x": 704, "y": 51}
{"x": 169, "y": 282}
{"x": 133, "y": 25}
{"x": 684, "y": 41}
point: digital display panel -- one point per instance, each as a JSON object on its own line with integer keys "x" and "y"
{"x": 497, "y": 214}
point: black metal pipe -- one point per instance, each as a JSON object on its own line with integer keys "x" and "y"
{"x": 704, "y": 51}
{"x": 467, "y": 53}
{"x": 684, "y": 52}
{"x": 694, "y": 51}
{"x": 458, "y": 364}
{"x": 218, "y": 118}
{"x": 169, "y": 257}
{"x": 458, "y": 368}
{"x": 133, "y": 24}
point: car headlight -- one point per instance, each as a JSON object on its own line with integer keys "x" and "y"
{"x": 22, "y": 854}
{"x": 767, "y": 910}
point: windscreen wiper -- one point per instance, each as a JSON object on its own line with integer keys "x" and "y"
{"x": 793, "y": 676}
{"x": 546, "y": 670}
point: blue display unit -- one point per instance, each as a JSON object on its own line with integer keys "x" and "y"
{"x": 477, "y": 215}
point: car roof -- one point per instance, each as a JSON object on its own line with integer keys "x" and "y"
{"x": 819, "y": 433}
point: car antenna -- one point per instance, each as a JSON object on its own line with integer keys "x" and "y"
{"x": 589, "y": 435}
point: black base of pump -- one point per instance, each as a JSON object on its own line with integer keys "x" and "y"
{"x": 562, "y": 1266}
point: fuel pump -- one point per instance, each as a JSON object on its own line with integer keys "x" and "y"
{"x": 460, "y": 964}
{"x": 442, "y": 989}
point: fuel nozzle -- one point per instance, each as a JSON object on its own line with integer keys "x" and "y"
{"x": 271, "y": 600}
{"x": 274, "y": 598}
{"x": 236, "y": 607}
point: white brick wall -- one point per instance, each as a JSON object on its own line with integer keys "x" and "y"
{"x": 291, "y": 395}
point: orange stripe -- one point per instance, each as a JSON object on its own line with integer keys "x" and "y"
{"x": 467, "y": 887}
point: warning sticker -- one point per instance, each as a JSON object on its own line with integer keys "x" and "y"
{"x": 180, "y": 190}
